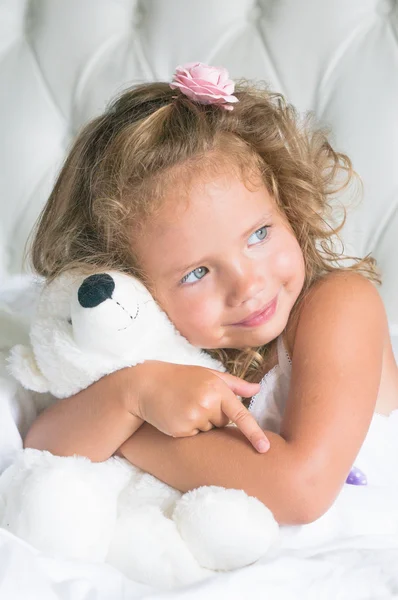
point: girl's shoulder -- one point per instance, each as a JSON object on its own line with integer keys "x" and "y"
{"x": 337, "y": 298}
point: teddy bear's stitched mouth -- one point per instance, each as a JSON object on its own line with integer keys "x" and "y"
{"x": 132, "y": 318}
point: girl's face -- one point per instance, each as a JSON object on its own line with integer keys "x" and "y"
{"x": 214, "y": 261}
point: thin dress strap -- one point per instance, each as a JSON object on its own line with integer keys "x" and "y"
{"x": 284, "y": 360}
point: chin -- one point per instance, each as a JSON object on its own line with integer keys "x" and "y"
{"x": 261, "y": 335}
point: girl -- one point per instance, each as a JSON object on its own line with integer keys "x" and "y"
{"x": 221, "y": 203}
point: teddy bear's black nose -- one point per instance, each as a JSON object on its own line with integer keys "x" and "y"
{"x": 95, "y": 289}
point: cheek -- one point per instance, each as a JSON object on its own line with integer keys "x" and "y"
{"x": 289, "y": 262}
{"x": 192, "y": 315}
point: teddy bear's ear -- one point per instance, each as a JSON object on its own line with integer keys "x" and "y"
{"x": 23, "y": 366}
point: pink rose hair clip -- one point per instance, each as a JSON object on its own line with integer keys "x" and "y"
{"x": 205, "y": 84}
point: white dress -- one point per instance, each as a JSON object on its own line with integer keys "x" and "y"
{"x": 359, "y": 509}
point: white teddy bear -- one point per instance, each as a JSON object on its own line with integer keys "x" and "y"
{"x": 86, "y": 327}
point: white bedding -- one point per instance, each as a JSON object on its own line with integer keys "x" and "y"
{"x": 365, "y": 567}
{"x": 329, "y": 574}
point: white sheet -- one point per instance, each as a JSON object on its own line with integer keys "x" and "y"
{"x": 328, "y": 574}
{"x": 365, "y": 567}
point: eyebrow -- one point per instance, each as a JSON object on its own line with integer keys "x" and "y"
{"x": 187, "y": 268}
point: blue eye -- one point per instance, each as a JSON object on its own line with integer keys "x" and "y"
{"x": 199, "y": 273}
{"x": 261, "y": 233}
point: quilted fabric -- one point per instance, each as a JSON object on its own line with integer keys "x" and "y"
{"x": 62, "y": 60}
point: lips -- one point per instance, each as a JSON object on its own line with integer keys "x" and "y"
{"x": 257, "y": 313}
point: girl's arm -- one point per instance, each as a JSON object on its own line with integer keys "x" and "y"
{"x": 336, "y": 370}
{"x": 93, "y": 423}
{"x": 177, "y": 399}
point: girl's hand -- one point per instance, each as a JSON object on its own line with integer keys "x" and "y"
{"x": 182, "y": 400}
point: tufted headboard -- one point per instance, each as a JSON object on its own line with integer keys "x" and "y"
{"x": 62, "y": 60}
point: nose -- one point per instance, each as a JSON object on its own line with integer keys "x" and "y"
{"x": 95, "y": 289}
{"x": 246, "y": 283}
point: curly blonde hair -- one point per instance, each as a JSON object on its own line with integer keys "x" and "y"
{"x": 152, "y": 139}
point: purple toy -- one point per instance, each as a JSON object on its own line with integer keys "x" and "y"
{"x": 356, "y": 477}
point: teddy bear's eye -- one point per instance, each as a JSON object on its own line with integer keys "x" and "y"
{"x": 70, "y": 321}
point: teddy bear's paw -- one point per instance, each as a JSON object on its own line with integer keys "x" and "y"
{"x": 64, "y": 506}
{"x": 23, "y": 366}
{"x": 147, "y": 547}
{"x": 225, "y": 528}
